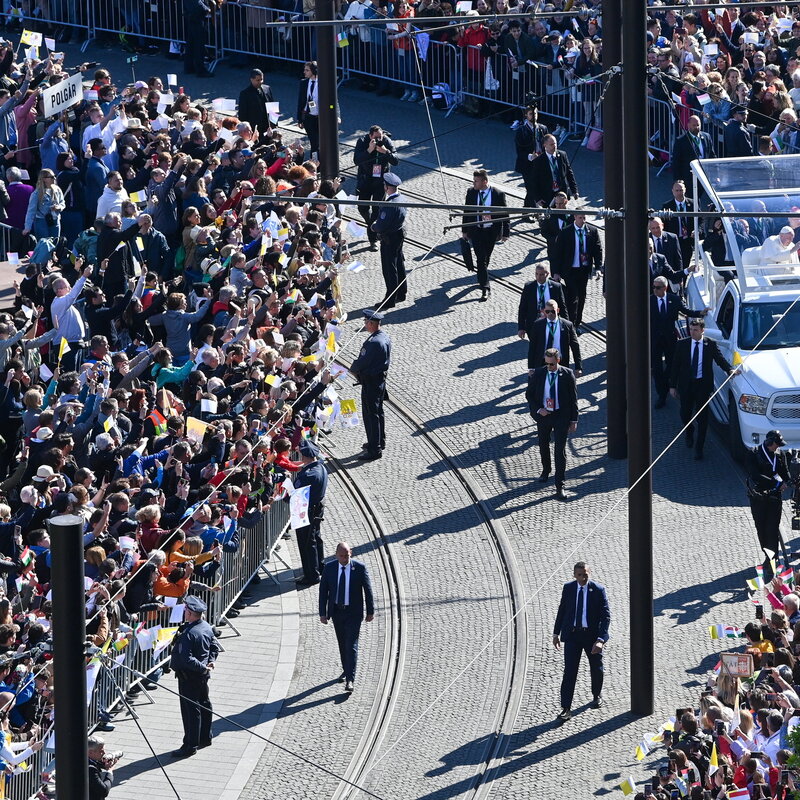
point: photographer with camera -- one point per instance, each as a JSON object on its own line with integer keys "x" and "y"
{"x": 767, "y": 477}
{"x": 374, "y": 155}
{"x": 101, "y": 776}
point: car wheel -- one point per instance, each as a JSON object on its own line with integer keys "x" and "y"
{"x": 735, "y": 432}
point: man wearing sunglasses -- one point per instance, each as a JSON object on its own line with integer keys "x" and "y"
{"x": 549, "y": 331}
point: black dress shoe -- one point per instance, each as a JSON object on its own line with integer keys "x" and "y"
{"x": 484, "y": 296}
{"x": 564, "y": 715}
{"x": 560, "y": 493}
{"x": 597, "y": 702}
{"x": 544, "y": 477}
{"x": 206, "y": 743}
{"x": 183, "y": 753}
{"x": 370, "y": 456}
{"x": 348, "y": 687}
{"x": 373, "y": 246}
{"x": 341, "y": 678}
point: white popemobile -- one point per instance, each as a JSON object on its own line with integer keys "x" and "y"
{"x": 755, "y": 303}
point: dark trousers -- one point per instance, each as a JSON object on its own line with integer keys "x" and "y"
{"x": 193, "y": 688}
{"x": 312, "y": 550}
{"x": 530, "y": 186}
{"x": 372, "y": 191}
{"x": 373, "y": 391}
{"x": 662, "y": 349}
{"x": 556, "y": 426}
{"x": 393, "y": 265}
{"x": 582, "y": 642}
{"x": 576, "y": 280}
{"x": 766, "y": 513}
{"x": 483, "y": 240}
{"x": 195, "y": 48}
{"x": 697, "y": 392}
{"x": 347, "y": 624}
{"x": 466, "y": 253}
{"x": 311, "y": 124}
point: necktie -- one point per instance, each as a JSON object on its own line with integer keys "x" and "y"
{"x": 551, "y": 334}
{"x": 541, "y": 295}
{"x": 553, "y": 168}
{"x": 579, "y": 609}
{"x": 551, "y": 388}
{"x": 662, "y": 305}
{"x": 482, "y": 200}
{"x": 695, "y": 358}
{"x": 657, "y": 240}
{"x": 581, "y": 247}
{"x": 310, "y": 97}
{"x": 340, "y": 588}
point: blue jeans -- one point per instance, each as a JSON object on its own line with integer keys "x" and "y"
{"x": 41, "y": 230}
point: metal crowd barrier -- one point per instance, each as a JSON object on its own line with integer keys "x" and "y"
{"x": 8, "y": 237}
{"x": 256, "y": 546}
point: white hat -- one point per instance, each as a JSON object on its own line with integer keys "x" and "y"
{"x": 45, "y": 473}
{"x": 787, "y": 229}
{"x": 43, "y": 434}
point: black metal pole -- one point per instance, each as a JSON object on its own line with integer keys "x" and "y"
{"x": 616, "y": 395}
{"x": 637, "y": 327}
{"x": 328, "y": 95}
{"x": 69, "y": 634}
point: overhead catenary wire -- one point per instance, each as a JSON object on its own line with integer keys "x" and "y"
{"x": 236, "y": 724}
{"x": 576, "y": 547}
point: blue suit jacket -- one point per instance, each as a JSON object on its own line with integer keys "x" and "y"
{"x": 598, "y": 614}
{"x": 360, "y": 588}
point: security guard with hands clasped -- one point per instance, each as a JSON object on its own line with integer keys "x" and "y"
{"x": 374, "y": 155}
{"x": 194, "y": 651}
{"x": 370, "y": 370}
{"x": 767, "y": 477}
{"x": 390, "y": 227}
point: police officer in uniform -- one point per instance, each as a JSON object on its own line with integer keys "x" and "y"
{"x": 309, "y": 539}
{"x": 373, "y": 156}
{"x": 390, "y": 227}
{"x": 370, "y": 370}
{"x": 767, "y": 477}
{"x": 194, "y": 651}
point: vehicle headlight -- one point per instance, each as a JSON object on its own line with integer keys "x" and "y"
{"x": 753, "y": 404}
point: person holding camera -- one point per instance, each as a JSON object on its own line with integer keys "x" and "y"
{"x": 374, "y": 155}
{"x": 767, "y": 477}
{"x": 101, "y": 775}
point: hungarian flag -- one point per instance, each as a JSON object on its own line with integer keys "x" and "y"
{"x": 27, "y": 557}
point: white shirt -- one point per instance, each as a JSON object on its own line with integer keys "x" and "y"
{"x": 582, "y": 622}
{"x": 485, "y": 199}
{"x": 699, "y": 346}
{"x": 346, "y": 569}
{"x": 546, "y": 395}
{"x": 312, "y": 97}
{"x": 542, "y": 297}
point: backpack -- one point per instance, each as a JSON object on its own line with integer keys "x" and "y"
{"x": 442, "y": 96}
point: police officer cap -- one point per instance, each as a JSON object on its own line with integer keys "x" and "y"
{"x": 375, "y": 316}
{"x": 309, "y": 449}
{"x": 391, "y": 179}
{"x": 774, "y": 437}
{"x": 195, "y": 604}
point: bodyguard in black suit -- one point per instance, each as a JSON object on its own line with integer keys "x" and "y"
{"x": 551, "y": 331}
{"x": 534, "y": 296}
{"x": 344, "y": 592}
{"x": 552, "y": 396}
{"x": 681, "y": 226}
{"x": 552, "y": 173}
{"x": 484, "y": 230}
{"x": 582, "y": 623}
{"x": 695, "y": 143}
{"x": 528, "y": 141}
{"x": 664, "y": 310}
{"x": 692, "y": 378}
{"x": 308, "y": 106}
{"x": 552, "y": 225}
{"x": 577, "y": 252}
{"x": 665, "y": 244}
{"x": 253, "y": 102}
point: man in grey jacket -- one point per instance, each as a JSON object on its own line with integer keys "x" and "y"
{"x": 177, "y": 322}
{"x": 8, "y": 120}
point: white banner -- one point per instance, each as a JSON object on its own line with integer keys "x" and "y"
{"x": 63, "y": 95}
{"x": 298, "y": 507}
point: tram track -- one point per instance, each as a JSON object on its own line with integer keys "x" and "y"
{"x": 516, "y": 638}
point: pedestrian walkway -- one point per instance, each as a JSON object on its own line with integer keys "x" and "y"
{"x": 249, "y": 684}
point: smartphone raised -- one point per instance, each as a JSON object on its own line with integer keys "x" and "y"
{"x": 759, "y": 611}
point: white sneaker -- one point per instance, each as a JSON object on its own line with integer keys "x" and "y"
{"x": 406, "y": 95}
{"x": 414, "y": 97}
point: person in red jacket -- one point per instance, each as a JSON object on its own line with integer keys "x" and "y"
{"x": 473, "y": 37}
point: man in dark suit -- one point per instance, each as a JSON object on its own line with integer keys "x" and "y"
{"x": 658, "y": 266}
{"x": 344, "y": 591}
{"x": 552, "y": 396}
{"x": 253, "y": 103}
{"x": 552, "y": 173}
{"x": 308, "y": 106}
{"x": 552, "y": 224}
{"x": 534, "y": 296}
{"x": 739, "y": 140}
{"x": 528, "y": 141}
{"x": 682, "y": 227}
{"x": 551, "y": 331}
{"x": 694, "y": 144}
{"x": 577, "y": 253}
{"x": 664, "y": 310}
{"x": 582, "y": 623}
{"x": 665, "y": 244}
{"x": 692, "y": 378}
{"x": 484, "y": 230}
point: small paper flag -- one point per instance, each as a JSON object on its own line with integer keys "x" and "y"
{"x": 755, "y": 584}
{"x": 341, "y": 39}
{"x": 138, "y": 197}
{"x": 272, "y": 380}
{"x": 50, "y": 44}
{"x": 628, "y": 786}
{"x": 348, "y": 406}
{"x": 62, "y": 348}
{"x": 108, "y": 424}
{"x": 331, "y": 345}
{"x": 713, "y": 762}
{"x": 642, "y": 749}
{"x": 31, "y": 38}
